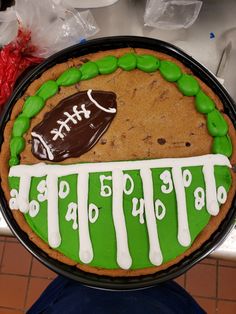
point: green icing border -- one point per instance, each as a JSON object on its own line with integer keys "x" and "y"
{"x": 187, "y": 84}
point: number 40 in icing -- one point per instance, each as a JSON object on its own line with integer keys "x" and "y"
{"x": 93, "y": 213}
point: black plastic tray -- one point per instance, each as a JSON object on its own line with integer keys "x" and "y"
{"x": 120, "y": 283}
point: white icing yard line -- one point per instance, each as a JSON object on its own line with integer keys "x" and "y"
{"x": 211, "y": 197}
{"x": 54, "y": 237}
{"x": 85, "y": 245}
{"x": 123, "y": 256}
{"x": 155, "y": 254}
{"x": 24, "y": 189}
{"x": 42, "y": 169}
{"x": 109, "y": 110}
{"x": 183, "y": 226}
{"x": 50, "y": 154}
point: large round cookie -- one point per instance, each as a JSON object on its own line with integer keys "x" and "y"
{"x": 135, "y": 179}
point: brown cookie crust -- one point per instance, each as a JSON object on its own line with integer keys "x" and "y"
{"x": 180, "y": 132}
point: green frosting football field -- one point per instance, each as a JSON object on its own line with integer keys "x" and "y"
{"x": 102, "y": 231}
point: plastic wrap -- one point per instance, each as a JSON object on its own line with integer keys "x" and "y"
{"x": 32, "y": 30}
{"x": 171, "y": 14}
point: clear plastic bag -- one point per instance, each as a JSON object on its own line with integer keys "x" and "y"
{"x": 171, "y": 14}
{"x": 8, "y": 26}
{"x": 33, "y": 30}
{"x": 52, "y": 25}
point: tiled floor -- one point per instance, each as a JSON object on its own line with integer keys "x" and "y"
{"x": 22, "y": 279}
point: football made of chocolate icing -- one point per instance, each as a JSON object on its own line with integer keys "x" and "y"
{"x": 74, "y": 126}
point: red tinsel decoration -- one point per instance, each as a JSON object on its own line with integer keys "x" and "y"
{"x": 15, "y": 57}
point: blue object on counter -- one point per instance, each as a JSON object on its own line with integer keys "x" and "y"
{"x": 82, "y": 41}
{"x": 212, "y": 35}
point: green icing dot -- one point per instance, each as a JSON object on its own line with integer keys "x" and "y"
{"x": 170, "y": 71}
{"x": 89, "y": 70}
{"x": 222, "y": 145}
{"x": 147, "y": 63}
{"x": 69, "y": 77}
{"x": 223, "y": 176}
{"x": 127, "y": 62}
{"x": 17, "y": 145}
{"x": 216, "y": 124}
{"x": 32, "y": 106}
{"x": 188, "y": 85}
{"x": 14, "y": 161}
{"x": 107, "y": 65}
{"x": 47, "y": 90}
{"x": 204, "y": 104}
{"x": 21, "y": 125}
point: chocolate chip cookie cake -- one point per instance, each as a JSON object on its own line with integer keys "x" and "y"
{"x": 119, "y": 162}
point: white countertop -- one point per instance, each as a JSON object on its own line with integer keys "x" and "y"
{"x": 4, "y": 229}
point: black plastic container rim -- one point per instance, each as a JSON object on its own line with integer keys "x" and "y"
{"x": 105, "y": 282}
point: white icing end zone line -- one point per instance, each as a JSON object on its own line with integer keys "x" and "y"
{"x": 42, "y": 169}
